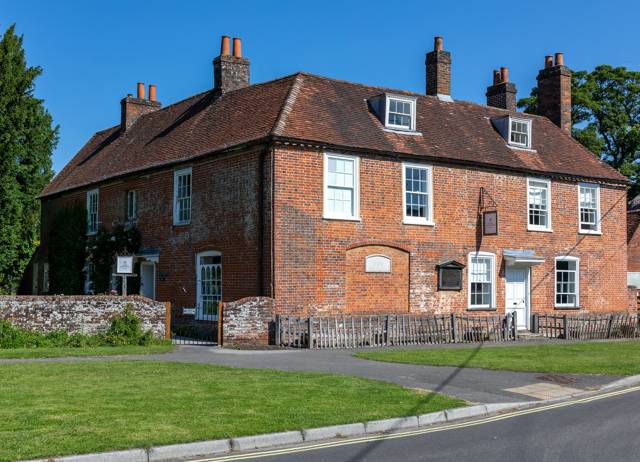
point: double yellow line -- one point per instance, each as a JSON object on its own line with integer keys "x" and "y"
{"x": 421, "y": 431}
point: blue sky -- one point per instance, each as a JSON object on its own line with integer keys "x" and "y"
{"x": 93, "y": 53}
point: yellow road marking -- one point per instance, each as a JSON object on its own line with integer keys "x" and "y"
{"x": 420, "y": 431}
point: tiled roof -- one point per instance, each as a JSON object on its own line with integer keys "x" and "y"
{"x": 320, "y": 110}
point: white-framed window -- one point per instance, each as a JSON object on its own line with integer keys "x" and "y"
{"x": 92, "y": 211}
{"x": 417, "y": 194}
{"x": 520, "y": 132}
{"x": 182, "y": 196}
{"x": 35, "y": 290}
{"x": 539, "y": 204}
{"x": 482, "y": 280}
{"x": 401, "y": 113}
{"x": 45, "y": 277}
{"x": 209, "y": 281}
{"x": 132, "y": 205}
{"x": 341, "y": 186}
{"x": 567, "y": 282}
{"x": 589, "y": 208}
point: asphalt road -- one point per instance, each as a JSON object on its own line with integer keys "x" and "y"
{"x": 600, "y": 430}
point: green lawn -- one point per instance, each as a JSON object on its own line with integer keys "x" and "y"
{"x": 614, "y": 358}
{"x": 84, "y": 351}
{"x": 49, "y": 409}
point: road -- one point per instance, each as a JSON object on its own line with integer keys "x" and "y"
{"x": 596, "y": 429}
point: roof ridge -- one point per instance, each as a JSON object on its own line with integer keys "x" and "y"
{"x": 289, "y": 101}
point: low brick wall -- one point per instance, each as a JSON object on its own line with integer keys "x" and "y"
{"x": 247, "y": 321}
{"x": 82, "y": 313}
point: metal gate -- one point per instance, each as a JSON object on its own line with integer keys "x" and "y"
{"x": 187, "y": 329}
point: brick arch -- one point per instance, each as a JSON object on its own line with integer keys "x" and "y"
{"x": 369, "y": 292}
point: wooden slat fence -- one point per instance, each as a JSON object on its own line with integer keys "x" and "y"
{"x": 587, "y": 326}
{"x": 391, "y": 330}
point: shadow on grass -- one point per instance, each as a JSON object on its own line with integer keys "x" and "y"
{"x": 369, "y": 448}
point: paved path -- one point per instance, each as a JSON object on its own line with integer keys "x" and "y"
{"x": 474, "y": 385}
{"x": 600, "y": 430}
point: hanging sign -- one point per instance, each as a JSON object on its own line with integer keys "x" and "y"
{"x": 124, "y": 264}
{"x": 490, "y": 223}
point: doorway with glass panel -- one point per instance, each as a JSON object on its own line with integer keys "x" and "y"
{"x": 209, "y": 280}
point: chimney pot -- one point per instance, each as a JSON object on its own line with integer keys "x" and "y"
{"x": 437, "y": 43}
{"x": 559, "y": 59}
{"x": 224, "y": 46}
{"x": 496, "y": 77}
{"x": 152, "y": 92}
{"x": 504, "y": 74}
{"x": 548, "y": 61}
{"x": 140, "y": 90}
{"x": 237, "y": 48}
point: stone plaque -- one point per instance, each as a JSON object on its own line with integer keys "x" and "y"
{"x": 377, "y": 264}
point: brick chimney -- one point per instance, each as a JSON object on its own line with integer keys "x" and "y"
{"x": 230, "y": 72}
{"x": 502, "y": 93}
{"x": 132, "y": 108}
{"x": 438, "y": 64}
{"x": 554, "y": 92}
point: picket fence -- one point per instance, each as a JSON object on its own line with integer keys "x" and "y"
{"x": 391, "y": 330}
{"x": 586, "y": 326}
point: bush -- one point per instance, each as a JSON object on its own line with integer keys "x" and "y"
{"x": 125, "y": 329}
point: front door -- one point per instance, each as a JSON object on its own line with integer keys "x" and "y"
{"x": 517, "y": 294}
{"x": 148, "y": 279}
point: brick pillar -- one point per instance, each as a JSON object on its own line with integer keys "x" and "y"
{"x": 502, "y": 93}
{"x": 230, "y": 72}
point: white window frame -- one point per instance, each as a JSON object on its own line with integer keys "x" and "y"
{"x": 598, "y": 229}
{"x": 404, "y": 99}
{"x": 176, "y": 210}
{"x": 527, "y": 122}
{"x": 132, "y": 196}
{"x": 555, "y": 282}
{"x": 329, "y": 214}
{"x": 91, "y": 231}
{"x": 199, "y": 313}
{"x": 410, "y": 220}
{"x": 531, "y": 227}
{"x": 494, "y": 287}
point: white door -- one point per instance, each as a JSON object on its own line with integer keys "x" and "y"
{"x": 148, "y": 279}
{"x": 517, "y": 297}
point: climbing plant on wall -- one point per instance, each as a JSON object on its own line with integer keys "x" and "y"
{"x": 67, "y": 251}
{"x": 102, "y": 251}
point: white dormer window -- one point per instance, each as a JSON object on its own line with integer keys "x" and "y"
{"x": 520, "y": 132}
{"x": 401, "y": 113}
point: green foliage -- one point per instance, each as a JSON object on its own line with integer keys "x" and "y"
{"x": 606, "y": 116}
{"x": 27, "y": 138}
{"x": 125, "y": 329}
{"x": 103, "y": 249}
{"x": 67, "y": 251}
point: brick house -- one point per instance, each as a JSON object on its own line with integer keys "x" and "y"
{"x": 336, "y": 197}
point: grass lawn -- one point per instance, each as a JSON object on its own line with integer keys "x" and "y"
{"x": 51, "y": 409}
{"x": 614, "y": 358}
{"x": 84, "y": 351}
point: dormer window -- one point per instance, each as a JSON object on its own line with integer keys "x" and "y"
{"x": 515, "y": 131}
{"x": 520, "y": 132}
{"x": 401, "y": 113}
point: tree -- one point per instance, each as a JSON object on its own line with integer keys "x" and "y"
{"x": 27, "y": 139}
{"x": 67, "y": 251}
{"x": 605, "y": 116}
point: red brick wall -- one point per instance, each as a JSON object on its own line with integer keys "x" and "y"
{"x": 377, "y": 292}
{"x": 230, "y": 211}
{"x": 311, "y": 252}
{"x": 633, "y": 241}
